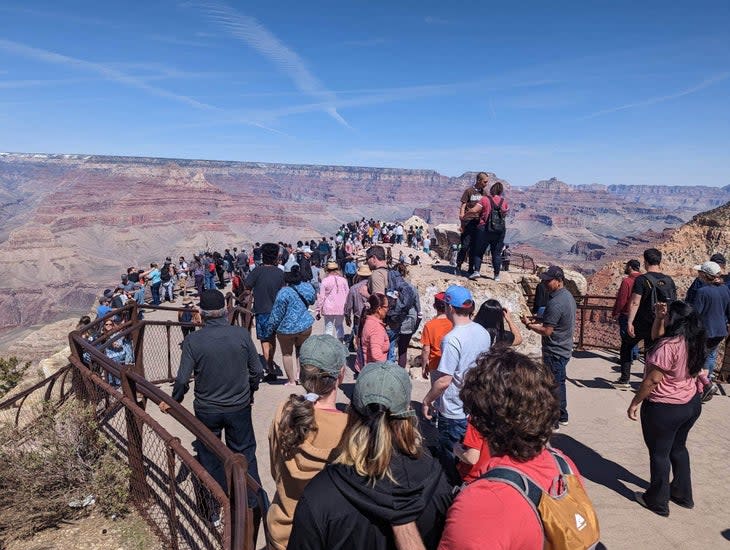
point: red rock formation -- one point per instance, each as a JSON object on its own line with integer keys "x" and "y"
{"x": 80, "y": 220}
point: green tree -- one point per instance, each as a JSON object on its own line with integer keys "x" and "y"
{"x": 11, "y": 373}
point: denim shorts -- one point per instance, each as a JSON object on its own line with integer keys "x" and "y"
{"x": 263, "y": 328}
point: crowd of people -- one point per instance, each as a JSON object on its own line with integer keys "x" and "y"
{"x": 365, "y": 478}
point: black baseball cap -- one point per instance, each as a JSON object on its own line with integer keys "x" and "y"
{"x": 552, "y": 272}
{"x": 718, "y": 258}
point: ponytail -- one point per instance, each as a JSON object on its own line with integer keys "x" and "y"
{"x": 297, "y": 417}
{"x": 297, "y": 422}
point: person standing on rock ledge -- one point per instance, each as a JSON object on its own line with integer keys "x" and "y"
{"x": 470, "y": 220}
{"x": 556, "y": 329}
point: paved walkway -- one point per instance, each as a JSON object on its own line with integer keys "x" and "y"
{"x": 606, "y": 445}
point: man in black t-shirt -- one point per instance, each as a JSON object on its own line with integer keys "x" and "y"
{"x": 649, "y": 288}
{"x": 470, "y": 220}
{"x": 265, "y": 281}
{"x": 257, "y": 254}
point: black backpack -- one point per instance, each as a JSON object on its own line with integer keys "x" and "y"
{"x": 661, "y": 290}
{"x": 165, "y": 273}
{"x": 495, "y": 222}
{"x": 401, "y": 296}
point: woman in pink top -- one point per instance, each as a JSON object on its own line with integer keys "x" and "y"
{"x": 489, "y": 235}
{"x": 671, "y": 404}
{"x": 333, "y": 292}
{"x": 374, "y": 343}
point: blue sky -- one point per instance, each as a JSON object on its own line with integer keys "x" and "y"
{"x": 609, "y": 92}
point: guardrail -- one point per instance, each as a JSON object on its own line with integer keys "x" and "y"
{"x": 181, "y": 501}
{"x": 594, "y": 323}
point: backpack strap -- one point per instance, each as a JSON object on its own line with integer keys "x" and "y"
{"x": 522, "y": 483}
{"x": 306, "y": 304}
{"x": 563, "y": 466}
{"x": 494, "y": 204}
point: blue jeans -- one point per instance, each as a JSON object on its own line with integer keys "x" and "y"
{"x": 623, "y": 326}
{"x": 713, "y": 344}
{"x": 557, "y": 366}
{"x": 451, "y": 431}
{"x": 393, "y": 339}
{"x": 167, "y": 290}
{"x": 209, "y": 280}
{"x": 240, "y": 439}
{"x": 155, "y": 288}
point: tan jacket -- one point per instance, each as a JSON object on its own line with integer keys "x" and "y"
{"x": 291, "y": 476}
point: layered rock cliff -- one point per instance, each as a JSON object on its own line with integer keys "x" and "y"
{"x": 70, "y": 224}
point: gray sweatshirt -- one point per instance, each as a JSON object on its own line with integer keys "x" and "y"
{"x": 225, "y": 364}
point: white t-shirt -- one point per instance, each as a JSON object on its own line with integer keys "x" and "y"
{"x": 459, "y": 351}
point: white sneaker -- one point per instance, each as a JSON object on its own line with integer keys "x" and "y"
{"x": 474, "y": 276}
{"x": 496, "y": 278}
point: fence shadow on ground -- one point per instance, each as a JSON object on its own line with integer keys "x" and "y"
{"x": 598, "y": 469}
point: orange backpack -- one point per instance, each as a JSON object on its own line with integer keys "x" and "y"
{"x": 565, "y": 513}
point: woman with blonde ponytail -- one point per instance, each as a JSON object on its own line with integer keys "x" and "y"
{"x": 382, "y": 480}
{"x": 305, "y": 431}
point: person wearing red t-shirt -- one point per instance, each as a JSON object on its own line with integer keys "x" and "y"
{"x": 517, "y": 420}
{"x": 632, "y": 270}
{"x": 473, "y": 454}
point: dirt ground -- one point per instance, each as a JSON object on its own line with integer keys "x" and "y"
{"x": 94, "y": 532}
{"x": 606, "y": 446}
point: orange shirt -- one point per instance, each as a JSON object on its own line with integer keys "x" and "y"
{"x": 433, "y": 332}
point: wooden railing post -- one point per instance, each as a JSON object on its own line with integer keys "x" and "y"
{"x": 172, "y": 493}
{"x": 583, "y": 307}
{"x": 236, "y": 467}
{"x": 137, "y": 484}
{"x": 169, "y": 351}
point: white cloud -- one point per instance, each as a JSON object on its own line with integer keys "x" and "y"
{"x": 105, "y": 71}
{"x": 261, "y": 39}
{"x": 660, "y": 99}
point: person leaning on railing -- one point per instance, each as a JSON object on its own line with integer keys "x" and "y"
{"x": 227, "y": 372}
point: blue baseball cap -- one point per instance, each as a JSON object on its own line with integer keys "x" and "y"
{"x": 458, "y": 296}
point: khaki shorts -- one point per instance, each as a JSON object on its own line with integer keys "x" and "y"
{"x": 287, "y": 342}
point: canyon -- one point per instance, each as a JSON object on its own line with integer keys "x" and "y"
{"x": 70, "y": 224}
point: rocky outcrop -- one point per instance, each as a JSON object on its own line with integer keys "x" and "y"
{"x": 445, "y": 236}
{"x": 682, "y": 249}
{"x": 590, "y": 251}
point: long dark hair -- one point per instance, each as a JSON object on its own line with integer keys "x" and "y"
{"x": 682, "y": 320}
{"x": 491, "y": 317}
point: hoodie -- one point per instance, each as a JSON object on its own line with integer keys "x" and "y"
{"x": 341, "y": 510}
{"x": 293, "y": 475}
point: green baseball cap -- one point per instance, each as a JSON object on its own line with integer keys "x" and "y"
{"x": 386, "y": 384}
{"x": 324, "y": 352}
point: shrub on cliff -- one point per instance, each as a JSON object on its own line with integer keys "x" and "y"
{"x": 62, "y": 458}
{"x": 11, "y": 373}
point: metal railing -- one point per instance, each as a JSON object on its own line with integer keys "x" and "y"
{"x": 184, "y": 505}
{"x": 594, "y": 323}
